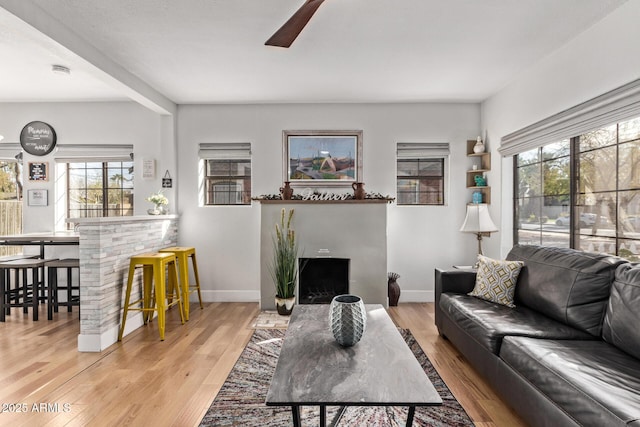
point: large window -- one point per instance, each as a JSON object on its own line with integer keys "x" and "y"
{"x": 99, "y": 189}
{"x": 421, "y": 173}
{"x": 583, "y": 192}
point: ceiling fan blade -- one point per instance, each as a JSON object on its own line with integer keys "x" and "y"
{"x": 285, "y": 36}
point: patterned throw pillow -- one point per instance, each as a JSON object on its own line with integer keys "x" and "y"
{"x": 496, "y": 280}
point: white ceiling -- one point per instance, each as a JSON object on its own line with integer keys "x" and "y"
{"x": 212, "y": 51}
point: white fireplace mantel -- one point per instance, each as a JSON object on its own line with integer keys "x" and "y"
{"x": 352, "y": 229}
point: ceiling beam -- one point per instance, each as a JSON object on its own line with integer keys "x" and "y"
{"x": 104, "y": 67}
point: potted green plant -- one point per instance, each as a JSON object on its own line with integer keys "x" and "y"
{"x": 284, "y": 266}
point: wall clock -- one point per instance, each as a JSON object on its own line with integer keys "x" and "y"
{"x": 38, "y": 138}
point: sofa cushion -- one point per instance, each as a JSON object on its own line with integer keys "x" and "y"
{"x": 496, "y": 280}
{"x": 567, "y": 285}
{"x": 622, "y": 321}
{"x": 488, "y": 323}
{"x": 594, "y": 382}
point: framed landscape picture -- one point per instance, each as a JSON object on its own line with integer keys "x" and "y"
{"x": 322, "y": 158}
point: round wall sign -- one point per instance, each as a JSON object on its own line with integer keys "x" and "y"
{"x": 38, "y": 138}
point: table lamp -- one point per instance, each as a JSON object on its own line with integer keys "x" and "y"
{"x": 478, "y": 221}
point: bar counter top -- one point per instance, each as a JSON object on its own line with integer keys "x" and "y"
{"x": 119, "y": 219}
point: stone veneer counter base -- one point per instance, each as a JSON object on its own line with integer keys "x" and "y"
{"x": 106, "y": 244}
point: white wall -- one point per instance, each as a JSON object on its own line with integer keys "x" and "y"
{"x": 152, "y": 136}
{"x": 419, "y": 238}
{"x": 600, "y": 59}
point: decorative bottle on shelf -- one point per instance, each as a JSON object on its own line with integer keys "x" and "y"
{"x": 476, "y": 197}
{"x": 479, "y": 146}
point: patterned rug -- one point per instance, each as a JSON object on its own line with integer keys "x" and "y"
{"x": 240, "y": 401}
{"x": 270, "y": 320}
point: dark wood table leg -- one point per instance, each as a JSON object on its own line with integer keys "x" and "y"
{"x": 412, "y": 411}
{"x": 323, "y": 415}
{"x": 3, "y": 299}
{"x": 50, "y": 292}
{"x": 36, "y": 290}
{"x": 295, "y": 411}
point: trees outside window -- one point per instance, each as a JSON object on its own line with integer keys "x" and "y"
{"x": 582, "y": 192}
{"x": 99, "y": 189}
{"x": 10, "y": 203}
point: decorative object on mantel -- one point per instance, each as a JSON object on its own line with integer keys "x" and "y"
{"x": 315, "y": 195}
{"x": 358, "y": 190}
{"x": 284, "y": 266}
{"x": 160, "y": 201}
{"x": 347, "y": 319}
{"x": 286, "y": 192}
{"x": 479, "y": 222}
{"x": 393, "y": 289}
{"x": 479, "y": 146}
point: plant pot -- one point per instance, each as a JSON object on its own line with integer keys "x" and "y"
{"x": 285, "y": 305}
{"x": 347, "y": 319}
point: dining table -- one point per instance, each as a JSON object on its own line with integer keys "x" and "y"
{"x": 41, "y": 239}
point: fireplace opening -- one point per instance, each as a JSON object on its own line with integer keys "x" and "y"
{"x": 321, "y": 279}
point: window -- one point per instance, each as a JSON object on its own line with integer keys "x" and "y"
{"x": 227, "y": 173}
{"x": 99, "y": 189}
{"x": 421, "y": 173}
{"x": 543, "y": 197}
{"x": 582, "y": 193}
{"x": 10, "y": 202}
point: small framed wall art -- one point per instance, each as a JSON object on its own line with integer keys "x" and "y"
{"x": 37, "y": 197}
{"x": 38, "y": 171}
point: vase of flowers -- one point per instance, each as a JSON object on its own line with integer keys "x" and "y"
{"x": 284, "y": 266}
{"x": 159, "y": 201}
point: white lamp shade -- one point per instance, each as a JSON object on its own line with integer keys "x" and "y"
{"x": 478, "y": 220}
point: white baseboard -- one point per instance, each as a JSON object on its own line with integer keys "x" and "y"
{"x": 229, "y": 296}
{"x": 416, "y": 296}
{"x": 97, "y": 343}
{"x": 254, "y": 296}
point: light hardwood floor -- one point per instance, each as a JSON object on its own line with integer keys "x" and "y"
{"x": 145, "y": 382}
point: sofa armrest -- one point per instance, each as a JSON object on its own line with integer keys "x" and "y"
{"x": 455, "y": 281}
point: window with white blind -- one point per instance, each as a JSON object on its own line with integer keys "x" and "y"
{"x": 226, "y": 173}
{"x": 421, "y": 173}
{"x": 582, "y": 192}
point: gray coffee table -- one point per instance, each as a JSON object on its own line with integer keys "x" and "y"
{"x": 314, "y": 370}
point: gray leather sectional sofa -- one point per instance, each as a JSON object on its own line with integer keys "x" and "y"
{"x": 569, "y": 353}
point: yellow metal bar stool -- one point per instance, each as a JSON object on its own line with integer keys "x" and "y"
{"x": 154, "y": 266}
{"x": 183, "y": 253}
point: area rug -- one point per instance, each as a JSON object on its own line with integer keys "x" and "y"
{"x": 240, "y": 401}
{"x": 269, "y": 320}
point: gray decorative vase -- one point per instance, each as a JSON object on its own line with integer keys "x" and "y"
{"x": 347, "y": 319}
